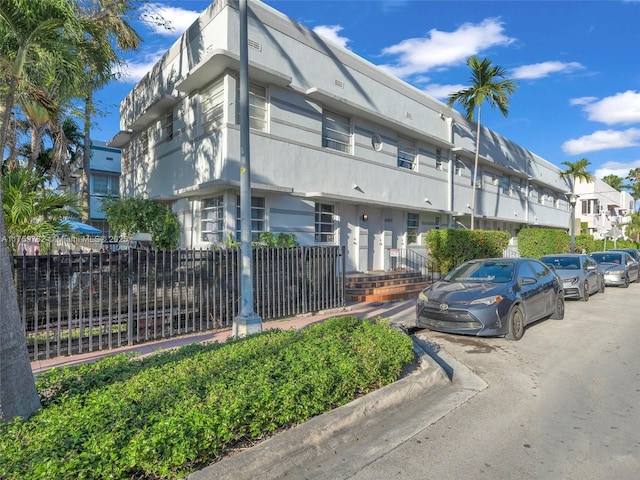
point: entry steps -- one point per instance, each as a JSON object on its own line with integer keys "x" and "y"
{"x": 383, "y": 286}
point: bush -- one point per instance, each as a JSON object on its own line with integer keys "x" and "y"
{"x": 173, "y": 412}
{"x": 450, "y": 248}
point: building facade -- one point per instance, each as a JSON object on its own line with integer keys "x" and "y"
{"x": 605, "y": 210}
{"x": 340, "y": 151}
{"x": 104, "y": 180}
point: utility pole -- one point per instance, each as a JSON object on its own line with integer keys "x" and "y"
{"x": 247, "y": 322}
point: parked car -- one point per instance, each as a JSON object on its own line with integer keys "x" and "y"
{"x": 635, "y": 253}
{"x": 619, "y": 267}
{"x": 491, "y": 297}
{"x": 580, "y": 274}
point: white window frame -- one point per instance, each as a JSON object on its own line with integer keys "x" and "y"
{"x": 336, "y": 132}
{"x": 407, "y": 153}
{"x": 212, "y": 106}
{"x": 413, "y": 228}
{"x": 258, "y": 218}
{"x": 439, "y": 164}
{"x": 167, "y": 126}
{"x": 212, "y": 215}
{"x": 324, "y": 225}
{"x": 111, "y": 182}
{"x": 258, "y": 107}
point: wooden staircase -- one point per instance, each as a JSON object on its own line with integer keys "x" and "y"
{"x": 383, "y": 286}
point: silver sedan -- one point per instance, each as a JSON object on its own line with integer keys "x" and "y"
{"x": 619, "y": 267}
{"x": 580, "y": 274}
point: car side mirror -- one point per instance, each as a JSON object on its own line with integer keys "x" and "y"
{"x": 527, "y": 281}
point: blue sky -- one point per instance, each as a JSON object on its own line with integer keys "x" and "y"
{"x": 577, "y": 63}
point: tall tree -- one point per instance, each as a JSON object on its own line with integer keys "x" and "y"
{"x": 489, "y": 83}
{"x": 614, "y": 181}
{"x": 109, "y": 33}
{"x": 575, "y": 171}
{"x": 28, "y": 30}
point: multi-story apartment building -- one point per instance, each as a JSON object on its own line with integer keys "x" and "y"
{"x": 104, "y": 180}
{"x": 341, "y": 152}
{"x": 604, "y": 209}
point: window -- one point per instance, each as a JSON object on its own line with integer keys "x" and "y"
{"x": 105, "y": 185}
{"x": 144, "y": 142}
{"x": 478, "y": 179}
{"x": 412, "y": 227}
{"x": 126, "y": 158}
{"x": 439, "y": 159}
{"x": 495, "y": 179}
{"x": 541, "y": 197}
{"x": 324, "y": 223}
{"x": 167, "y": 126}
{"x": 212, "y": 222}
{"x": 556, "y": 202}
{"x": 257, "y": 218}
{"x": 459, "y": 166}
{"x": 213, "y": 106}
{"x": 406, "y": 153}
{"x": 507, "y": 188}
{"x": 336, "y": 132}
{"x": 437, "y": 222}
{"x": 257, "y": 107}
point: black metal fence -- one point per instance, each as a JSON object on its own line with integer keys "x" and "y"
{"x": 75, "y": 303}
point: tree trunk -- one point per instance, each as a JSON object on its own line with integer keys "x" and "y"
{"x": 18, "y": 394}
{"x": 86, "y": 156}
{"x": 475, "y": 173}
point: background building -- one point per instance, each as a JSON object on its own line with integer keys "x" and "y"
{"x": 104, "y": 180}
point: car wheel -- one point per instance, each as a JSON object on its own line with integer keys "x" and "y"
{"x": 602, "y": 286}
{"x": 626, "y": 282}
{"x": 585, "y": 292}
{"x": 515, "y": 324}
{"x": 558, "y": 312}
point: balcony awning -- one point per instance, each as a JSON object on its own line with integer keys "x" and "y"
{"x": 220, "y": 60}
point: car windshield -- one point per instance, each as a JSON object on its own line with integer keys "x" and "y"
{"x": 607, "y": 257}
{"x": 563, "y": 263}
{"x": 493, "y": 272}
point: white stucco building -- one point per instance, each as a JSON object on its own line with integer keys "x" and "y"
{"x": 341, "y": 152}
{"x": 605, "y": 210}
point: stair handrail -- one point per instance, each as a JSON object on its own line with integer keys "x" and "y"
{"x": 409, "y": 260}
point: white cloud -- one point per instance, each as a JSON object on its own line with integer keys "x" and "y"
{"x": 442, "y": 92}
{"x": 621, "y": 108}
{"x": 621, "y": 169}
{"x": 167, "y": 21}
{"x": 582, "y": 100}
{"x": 602, "y": 140}
{"x": 544, "y": 69}
{"x": 331, "y": 33}
{"x": 442, "y": 49}
{"x": 133, "y": 71}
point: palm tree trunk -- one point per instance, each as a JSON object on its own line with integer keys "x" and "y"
{"x": 475, "y": 172}
{"x": 86, "y": 155}
{"x": 18, "y": 394}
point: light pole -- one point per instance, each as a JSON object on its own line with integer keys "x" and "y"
{"x": 573, "y": 199}
{"x": 247, "y": 322}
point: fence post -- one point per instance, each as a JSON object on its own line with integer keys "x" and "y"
{"x": 130, "y": 297}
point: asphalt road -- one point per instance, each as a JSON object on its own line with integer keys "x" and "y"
{"x": 562, "y": 403}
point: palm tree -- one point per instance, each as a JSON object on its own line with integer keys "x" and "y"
{"x": 575, "y": 171}
{"x": 614, "y": 181}
{"x": 108, "y": 32}
{"x": 28, "y": 30}
{"x": 32, "y": 210}
{"x": 488, "y": 83}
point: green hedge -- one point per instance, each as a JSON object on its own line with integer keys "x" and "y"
{"x": 173, "y": 412}
{"x": 536, "y": 242}
{"x": 450, "y": 248}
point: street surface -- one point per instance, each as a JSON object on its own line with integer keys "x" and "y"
{"x": 562, "y": 403}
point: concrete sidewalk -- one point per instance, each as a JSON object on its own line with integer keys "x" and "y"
{"x": 397, "y": 311}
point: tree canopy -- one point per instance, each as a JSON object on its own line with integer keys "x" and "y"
{"x": 488, "y": 83}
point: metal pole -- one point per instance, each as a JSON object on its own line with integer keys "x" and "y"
{"x": 247, "y": 322}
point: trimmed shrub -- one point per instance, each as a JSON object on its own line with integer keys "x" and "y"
{"x": 450, "y": 248}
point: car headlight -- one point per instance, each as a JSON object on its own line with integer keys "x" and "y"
{"x": 616, "y": 272}
{"x": 488, "y": 300}
{"x": 423, "y": 297}
{"x": 572, "y": 280}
